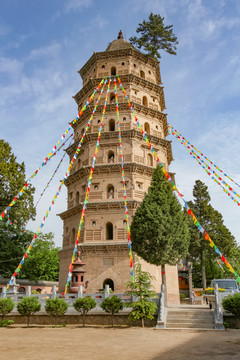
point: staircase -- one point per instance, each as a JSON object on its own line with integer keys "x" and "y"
{"x": 190, "y": 317}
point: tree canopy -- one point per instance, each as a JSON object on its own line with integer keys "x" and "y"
{"x": 155, "y": 37}
{"x": 12, "y": 179}
{"x": 205, "y": 266}
{"x": 159, "y": 228}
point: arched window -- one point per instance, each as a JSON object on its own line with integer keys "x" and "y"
{"x": 82, "y": 132}
{"x": 109, "y": 231}
{"x": 110, "y": 191}
{"x": 77, "y": 198}
{"x": 110, "y": 283}
{"x": 112, "y": 98}
{"x": 111, "y": 125}
{"x": 147, "y": 128}
{"x": 39, "y": 290}
{"x": 73, "y": 236}
{"x": 113, "y": 70}
{"x": 21, "y": 289}
{"x": 142, "y": 74}
{"x": 78, "y": 164}
{"x": 111, "y": 157}
{"x": 150, "y": 160}
{"x": 145, "y": 101}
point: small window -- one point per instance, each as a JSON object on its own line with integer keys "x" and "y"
{"x": 39, "y": 290}
{"x": 150, "y": 160}
{"x": 94, "y": 70}
{"x": 139, "y": 185}
{"x": 142, "y": 74}
{"x": 123, "y": 63}
{"x": 70, "y": 195}
{"x": 135, "y": 92}
{"x": 76, "y": 278}
{"x": 134, "y": 65}
{"x": 95, "y": 187}
{"x": 93, "y": 223}
{"x": 149, "y": 72}
{"x": 82, "y": 278}
{"x": 77, "y": 198}
{"x": 103, "y": 66}
{"x": 157, "y": 127}
{"x": 21, "y": 289}
{"x": 124, "y": 119}
{"x": 124, "y": 222}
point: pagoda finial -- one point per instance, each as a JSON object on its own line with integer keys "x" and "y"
{"x": 120, "y": 35}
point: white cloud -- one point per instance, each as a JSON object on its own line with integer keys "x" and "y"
{"x": 77, "y": 5}
{"x": 51, "y": 50}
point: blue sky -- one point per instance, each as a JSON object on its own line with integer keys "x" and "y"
{"x": 44, "y": 43}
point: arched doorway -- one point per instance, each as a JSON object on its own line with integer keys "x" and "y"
{"x": 110, "y": 283}
{"x": 145, "y": 101}
{"x": 109, "y": 231}
{"x": 111, "y": 125}
{"x": 113, "y": 71}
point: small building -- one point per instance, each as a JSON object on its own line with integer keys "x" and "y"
{"x": 43, "y": 287}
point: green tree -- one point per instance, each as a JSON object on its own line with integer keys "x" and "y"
{"x": 112, "y": 305}
{"x": 28, "y": 306}
{"x": 159, "y": 229}
{"x": 232, "y": 304}
{"x": 143, "y": 308}
{"x": 203, "y": 257}
{"x": 6, "y": 306}
{"x": 84, "y": 305}
{"x": 12, "y": 179}
{"x": 56, "y": 307}
{"x": 43, "y": 260}
{"x": 155, "y": 37}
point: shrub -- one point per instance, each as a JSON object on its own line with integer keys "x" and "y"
{"x": 182, "y": 296}
{"x": 6, "y": 306}
{"x": 232, "y": 304}
{"x": 56, "y": 307}
{"x": 28, "y": 306}
{"x": 112, "y": 305}
{"x": 5, "y": 323}
{"x": 84, "y": 305}
{"x": 143, "y": 308}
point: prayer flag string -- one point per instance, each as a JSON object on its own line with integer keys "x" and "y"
{"x": 57, "y": 193}
{"x": 193, "y": 147}
{"x": 55, "y": 171}
{"x": 208, "y": 169}
{"x": 174, "y": 188}
{"x": 87, "y": 191}
{"x": 51, "y": 154}
{"x": 123, "y": 181}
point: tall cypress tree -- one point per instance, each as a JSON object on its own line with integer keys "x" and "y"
{"x": 202, "y": 255}
{"x": 159, "y": 228}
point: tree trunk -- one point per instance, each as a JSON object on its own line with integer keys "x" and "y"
{"x": 204, "y": 282}
{"x": 142, "y": 322}
{"x": 28, "y": 321}
{"x": 83, "y": 320}
{"x": 112, "y": 320}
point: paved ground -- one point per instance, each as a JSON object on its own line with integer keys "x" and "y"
{"x": 73, "y": 343}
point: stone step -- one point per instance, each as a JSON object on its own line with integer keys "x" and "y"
{"x": 193, "y": 321}
{"x": 189, "y": 316}
{"x": 193, "y": 312}
{"x": 190, "y": 326}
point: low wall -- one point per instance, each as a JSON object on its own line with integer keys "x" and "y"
{"x": 101, "y": 319}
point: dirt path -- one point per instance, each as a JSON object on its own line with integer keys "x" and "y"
{"x": 117, "y": 344}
